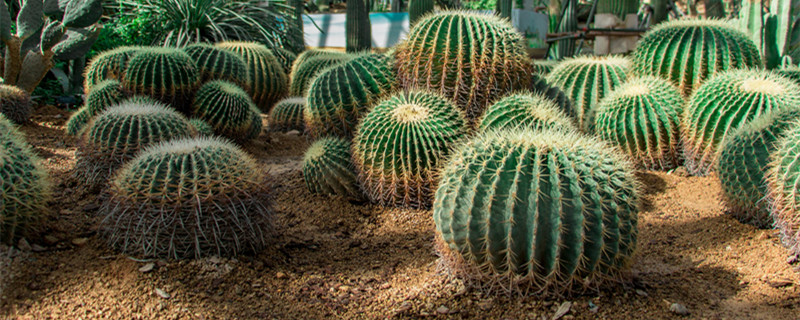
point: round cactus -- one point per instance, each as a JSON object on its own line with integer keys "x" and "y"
{"x": 744, "y": 161}
{"x": 687, "y": 52}
{"x": 188, "y": 198}
{"x": 537, "y": 210}
{"x": 215, "y": 63}
{"x": 586, "y": 80}
{"x": 792, "y": 72}
{"x": 287, "y": 115}
{"x": 15, "y": 103}
{"x": 540, "y": 86}
{"x": 783, "y": 181}
{"x": 543, "y": 67}
{"x": 202, "y": 127}
{"x": 166, "y": 74}
{"x": 107, "y": 65}
{"x": 309, "y": 65}
{"x": 78, "y": 120}
{"x": 725, "y": 103}
{"x": 340, "y": 95}
{"x": 268, "y": 82}
{"x": 483, "y": 59}
{"x": 399, "y": 145}
{"x": 642, "y": 117}
{"x": 328, "y": 168}
{"x": 258, "y": 124}
{"x": 285, "y": 58}
{"x": 226, "y": 107}
{"x": 104, "y": 94}
{"x": 525, "y": 110}
{"x": 24, "y": 184}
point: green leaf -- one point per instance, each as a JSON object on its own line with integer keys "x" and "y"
{"x": 51, "y": 35}
{"x": 30, "y": 18}
{"x": 82, "y": 13}
{"x": 5, "y": 22}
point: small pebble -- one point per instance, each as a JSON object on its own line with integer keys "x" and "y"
{"x": 641, "y": 292}
{"x": 147, "y": 267}
{"x": 293, "y": 133}
{"x": 443, "y": 310}
{"x": 679, "y": 309}
{"x": 80, "y": 241}
{"x": 50, "y": 240}
{"x": 23, "y": 245}
{"x": 562, "y": 310}
{"x": 162, "y": 294}
{"x": 280, "y": 275}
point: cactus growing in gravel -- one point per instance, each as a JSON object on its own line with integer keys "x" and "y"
{"x": 328, "y": 168}
{"x": 726, "y": 102}
{"x": 15, "y": 103}
{"x": 536, "y": 211}
{"x": 306, "y": 68}
{"x": 525, "y": 110}
{"x": 483, "y": 60}
{"x": 586, "y": 80}
{"x": 642, "y": 117}
{"x": 340, "y": 95}
{"x": 744, "y": 161}
{"x": 287, "y": 115}
{"x": 166, "y": 74}
{"x": 687, "y": 52}
{"x": 400, "y": 144}
{"x": 268, "y": 82}
{"x": 188, "y": 198}
{"x": 24, "y": 184}
{"x": 107, "y": 65}
{"x": 226, "y": 107}
{"x": 203, "y": 128}
{"x": 215, "y": 63}
{"x": 782, "y": 187}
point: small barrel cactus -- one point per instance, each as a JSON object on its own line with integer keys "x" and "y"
{"x": 783, "y": 182}
{"x": 540, "y": 86}
{"x": 257, "y": 123}
{"x": 726, "y": 102}
{"x": 268, "y": 82}
{"x": 287, "y": 115}
{"x": 340, "y": 95}
{"x": 328, "y": 168}
{"x": 400, "y": 144}
{"x": 78, "y": 120}
{"x": 687, "y": 52}
{"x": 586, "y": 80}
{"x": 166, "y": 74}
{"x": 309, "y": 65}
{"x": 543, "y": 67}
{"x": 226, "y": 107}
{"x": 24, "y": 184}
{"x": 744, "y": 161}
{"x": 285, "y": 57}
{"x": 525, "y": 110}
{"x": 643, "y": 117}
{"x": 107, "y": 65}
{"x": 104, "y": 94}
{"x": 537, "y": 210}
{"x": 215, "y": 63}
{"x": 202, "y": 127}
{"x": 188, "y": 198}
{"x": 15, "y": 103}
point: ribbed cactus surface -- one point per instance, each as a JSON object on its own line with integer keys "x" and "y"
{"x": 215, "y": 63}
{"x": 78, "y": 120}
{"x": 328, "y": 168}
{"x": 540, "y": 86}
{"x": 525, "y": 110}
{"x": 268, "y": 82}
{"x": 285, "y": 57}
{"x": 15, "y": 103}
{"x": 308, "y": 65}
{"x": 619, "y": 8}
{"x": 104, "y": 94}
{"x": 226, "y": 107}
{"x": 166, "y": 74}
{"x": 783, "y": 182}
{"x": 202, "y": 127}
{"x": 543, "y": 67}
{"x": 287, "y": 115}
{"x": 107, "y": 65}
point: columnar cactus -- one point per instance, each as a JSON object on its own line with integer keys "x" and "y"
{"x": 226, "y": 107}
{"x": 24, "y": 184}
{"x": 783, "y": 179}
{"x": 309, "y": 65}
{"x": 744, "y": 161}
{"x": 328, "y": 168}
{"x": 268, "y": 82}
{"x": 357, "y": 26}
{"x": 108, "y": 65}
{"x": 537, "y": 210}
{"x": 287, "y": 115}
{"x": 619, "y": 8}
{"x": 215, "y": 63}
{"x": 15, "y": 103}
{"x": 725, "y": 103}
{"x": 485, "y": 59}
{"x": 188, "y": 198}
{"x": 166, "y": 74}
{"x": 642, "y": 117}
{"x": 687, "y": 52}
{"x": 340, "y": 95}
{"x": 400, "y": 144}
{"x": 586, "y": 80}
{"x": 525, "y": 110}
{"x": 202, "y": 127}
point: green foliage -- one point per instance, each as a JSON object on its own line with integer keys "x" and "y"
{"x": 166, "y": 74}
{"x": 218, "y": 64}
{"x": 309, "y": 64}
{"x": 287, "y": 115}
{"x": 400, "y": 144}
{"x": 783, "y": 181}
{"x": 226, "y": 107}
{"x": 328, "y": 168}
{"x": 107, "y": 65}
{"x": 525, "y": 110}
{"x": 267, "y": 83}
{"x": 203, "y": 128}
{"x": 15, "y": 103}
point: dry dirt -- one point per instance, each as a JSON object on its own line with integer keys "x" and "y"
{"x": 333, "y": 258}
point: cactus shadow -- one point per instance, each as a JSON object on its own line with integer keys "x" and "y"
{"x": 651, "y": 184}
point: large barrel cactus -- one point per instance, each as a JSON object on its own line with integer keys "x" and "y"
{"x": 166, "y": 74}
{"x": 340, "y": 95}
{"x": 227, "y": 108}
{"x": 725, "y": 103}
{"x": 15, "y": 103}
{"x": 287, "y": 115}
{"x": 268, "y": 82}
{"x": 643, "y": 118}
{"x": 537, "y": 211}
{"x": 188, "y": 198}
{"x": 687, "y": 52}
{"x": 783, "y": 182}
{"x": 586, "y": 80}
{"x": 400, "y": 144}
{"x": 328, "y": 168}
{"x": 525, "y": 110}
{"x": 309, "y": 65}
{"x": 107, "y": 65}
{"x": 215, "y": 63}
{"x": 470, "y": 58}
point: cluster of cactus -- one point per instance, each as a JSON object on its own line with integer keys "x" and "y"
{"x": 24, "y": 184}
{"x": 166, "y": 74}
{"x": 744, "y": 161}
{"x": 473, "y": 66}
{"x": 328, "y": 168}
{"x": 287, "y": 115}
{"x": 525, "y": 110}
{"x": 537, "y": 210}
{"x": 308, "y": 65}
{"x": 400, "y": 143}
{"x": 108, "y": 65}
{"x": 267, "y": 82}
{"x": 227, "y": 108}
{"x": 214, "y": 63}
{"x": 642, "y": 117}
{"x": 783, "y": 181}
{"x": 341, "y": 94}
{"x": 102, "y": 96}
{"x": 687, "y": 52}
{"x": 726, "y": 102}
{"x": 15, "y": 103}
{"x": 774, "y": 31}
{"x": 188, "y": 198}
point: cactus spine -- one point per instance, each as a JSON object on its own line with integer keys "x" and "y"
{"x": 308, "y": 65}
{"x": 287, "y": 115}
{"x": 268, "y": 82}
{"x": 525, "y": 110}
{"x": 783, "y": 179}
{"x": 226, "y": 107}
{"x": 15, "y": 103}
{"x": 166, "y": 74}
{"x": 218, "y": 64}
{"x": 328, "y": 168}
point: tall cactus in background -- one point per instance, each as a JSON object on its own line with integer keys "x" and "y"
{"x": 561, "y": 23}
{"x": 417, "y": 9}
{"x": 358, "y": 27}
{"x": 714, "y": 9}
{"x": 620, "y": 8}
{"x": 503, "y": 8}
{"x": 660, "y": 12}
{"x": 775, "y": 32}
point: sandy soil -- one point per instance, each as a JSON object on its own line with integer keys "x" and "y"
{"x": 335, "y": 258}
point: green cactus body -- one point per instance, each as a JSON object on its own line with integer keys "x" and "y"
{"x": 619, "y": 8}
{"x": 306, "y": 68}
{"x": 687, "y": 52}
{"x": 525, "y": 110}
{"x": 744, "y": 161}
{"x": 287, "y": 115}
{"x": 285, "y": 57}
{"x": 188, "y": 198}
{"x": 78, "y": 120}
{"x": 202, "y": 127}
{"x": 258, "y": 123}
{"x": 328, "y": 168}
{"x": 792, "y": 72}
{"x": 218, "y": 64}
{"x": 25, "y": 184}
{"x": 268, "y": 82}
{"x": 400, "y": 144}
{"x": 357, "y": 26}
{"x": 543, "y": 67}
{"x": 540, "y": 86}
{"x": 166, "y": 74}
{"x": 15, "y": 103}
{"x": 418, "y": 9}
{"x": 586, "y": 80}
{"x": 642, "y": 117}
{"x": 226, "y": 107}
{"x": 107, "y": 65}
{"x": 340, "y": 95}
{"x": 726, "y": 102}
{"x": 104, "y": 94}
{"x": 783, "y": 181}
{"x": 470, "y": 58}
{"x": 537, "y": 210}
